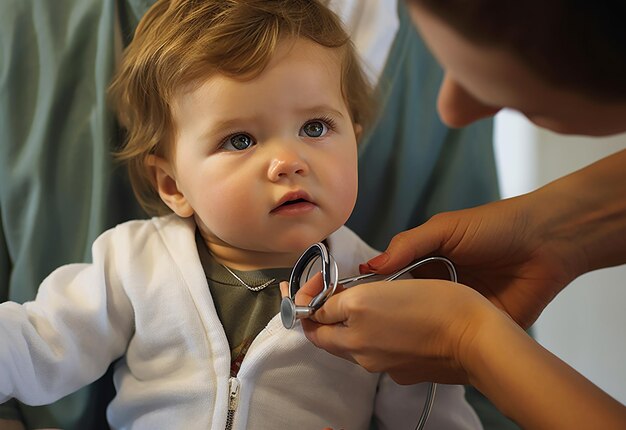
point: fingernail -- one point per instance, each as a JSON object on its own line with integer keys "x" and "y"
{"x": 364, "y": 268}
{"x": 378, "y": 261}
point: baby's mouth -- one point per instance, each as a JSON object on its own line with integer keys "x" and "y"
{"x": 295, "y": 202}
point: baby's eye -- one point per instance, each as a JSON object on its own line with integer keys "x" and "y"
{"x": 238, "y": 142}
{"x": 314, "y": 129}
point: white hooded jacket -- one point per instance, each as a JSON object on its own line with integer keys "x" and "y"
{"x": 145, "y": 302}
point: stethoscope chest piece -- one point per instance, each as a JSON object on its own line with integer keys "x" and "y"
{"x": 315, "y": 255}
{"x": 290, "y": 313}
{"x": 317, "y": 259}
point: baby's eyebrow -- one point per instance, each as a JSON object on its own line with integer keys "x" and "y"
{"x": 320, "y": 109}
{"x": 217, "y": 126}
{"x": 221, "y": 124}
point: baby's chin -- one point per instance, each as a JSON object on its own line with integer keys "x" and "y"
{"x": 298, "y": 242}
{"x": 278, "y": 249}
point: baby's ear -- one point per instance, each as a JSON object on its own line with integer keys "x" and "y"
{"x": 358, "y": 131}
{"x": 165, "y": 181}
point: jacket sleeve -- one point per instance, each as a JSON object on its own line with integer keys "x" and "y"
{"x": 78, "y": 324}
{"x": 400, "y": 406}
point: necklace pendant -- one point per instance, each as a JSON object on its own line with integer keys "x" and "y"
{"x": 254, "y": 288}
{"x": 260, "y": 287}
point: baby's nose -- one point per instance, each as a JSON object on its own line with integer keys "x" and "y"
{"x": 287, "y": 164}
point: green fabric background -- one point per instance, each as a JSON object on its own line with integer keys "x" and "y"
{"x": 59, "y": 187}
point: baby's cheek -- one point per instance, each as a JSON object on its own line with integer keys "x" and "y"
{"x": 349, "y": 177}
{"x": 220, "y": 208}
{"x": 230, "y": 195}
{"x": 345, "y": 195}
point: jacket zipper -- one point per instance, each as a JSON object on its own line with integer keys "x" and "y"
{"x": 233, "y": 401}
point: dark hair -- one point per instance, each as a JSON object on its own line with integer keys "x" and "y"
{"x": 574, "y": 44}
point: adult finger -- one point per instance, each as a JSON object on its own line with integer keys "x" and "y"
{"x": 310, "y": 289}
{"x": 330, "y": 338}
{"x": 334, "y": 311}
{"x": 407, "y": 247}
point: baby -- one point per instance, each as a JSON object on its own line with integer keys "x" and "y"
{"x": 242, "y": 119}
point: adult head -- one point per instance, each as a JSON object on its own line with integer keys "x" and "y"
{"x": 560, "y": 63}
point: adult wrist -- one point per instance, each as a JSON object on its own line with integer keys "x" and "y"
{"x": 480, "y": 332}
{"x": 483, "y": 355}
{"x": 583, "y": 215}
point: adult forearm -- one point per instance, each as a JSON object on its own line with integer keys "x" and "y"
{"x": 586, "y": 212}
{"x": 533, "y": 387}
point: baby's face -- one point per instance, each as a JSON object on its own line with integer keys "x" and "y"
{"x": 268, "y": 165}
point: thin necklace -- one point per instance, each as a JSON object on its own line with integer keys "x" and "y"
{"x": 256, "y": 288}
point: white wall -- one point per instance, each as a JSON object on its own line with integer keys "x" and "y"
{"x": 585, "y": 325}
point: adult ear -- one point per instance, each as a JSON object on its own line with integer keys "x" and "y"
{"x": 165, "y": 180}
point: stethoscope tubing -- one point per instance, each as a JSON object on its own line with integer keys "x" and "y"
{"x": 403, "y": 271}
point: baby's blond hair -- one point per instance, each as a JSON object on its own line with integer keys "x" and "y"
{"x": 179, "y": 43}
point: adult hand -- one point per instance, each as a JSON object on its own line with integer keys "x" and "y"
{"x": 439, "y": 331}
{"x": 416, "y": 330}
{"x": 505, "y": 250}
{"x": 521, "y": 252}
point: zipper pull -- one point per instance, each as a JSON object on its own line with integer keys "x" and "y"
{"x": 233, "y": 401}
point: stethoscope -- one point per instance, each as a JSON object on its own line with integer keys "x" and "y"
{"x": 317, "y": 254}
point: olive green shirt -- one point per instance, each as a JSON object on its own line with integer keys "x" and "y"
{"x": 243, "y": 313}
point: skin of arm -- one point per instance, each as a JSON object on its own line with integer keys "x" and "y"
{"x": 532, "y": 386}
